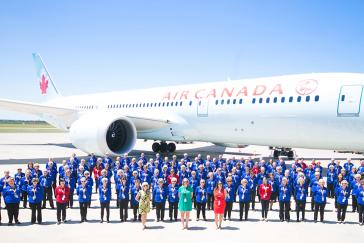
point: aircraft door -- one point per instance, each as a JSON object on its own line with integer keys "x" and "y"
{"x": 203, "y": 108}
{"x": 349, "y": 101}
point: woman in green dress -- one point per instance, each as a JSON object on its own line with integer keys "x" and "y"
{"x": 143, "y": 197}
{"x": 185, "y": 194}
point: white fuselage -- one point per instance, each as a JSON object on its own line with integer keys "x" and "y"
{"x": 252, "y": 111}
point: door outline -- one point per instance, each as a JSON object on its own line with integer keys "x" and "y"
{"x": 343, "y": 114}
{"x": 203, "y": 108}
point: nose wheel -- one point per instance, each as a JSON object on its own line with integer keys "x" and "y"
{"x": 163, "y": 147}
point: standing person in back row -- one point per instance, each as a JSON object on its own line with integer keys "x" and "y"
{"x": 62, "y": 199}
{"x": 265, "y": 191}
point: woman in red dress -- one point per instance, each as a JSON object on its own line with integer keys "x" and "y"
{"x": 219, "y": 204}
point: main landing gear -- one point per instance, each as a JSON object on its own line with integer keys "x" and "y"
{"x": 285, "y": 152}
{"x": 163, "y": 147}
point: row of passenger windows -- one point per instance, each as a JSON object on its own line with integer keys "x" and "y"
{"x": 221, "y": 102}
{"x": 86, "y": 107}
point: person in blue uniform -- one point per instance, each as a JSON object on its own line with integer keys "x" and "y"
{"x": 46, "y": 183}
{"x": 331, "y": 179}
{"x": 342, "y": 193}
{"x": 210, "y": 186}
{"x": 300, "y": 198}
{"x": 105, "y": 197}
{"x": 134, "y": 202}
{"x": 284, "y": 198}
{"x": 253, "y": 184}
{"x": 229, "y": 198}
{"x": 319, "y": 197}
{"x": 173, "y": 199}
{"x": 359, "y": 193}
{"x": 122, "y": 190}
{"x": 12, "y": 199}
{"x": 201, "y": 199}
{"x": 18, "y": 176}
{"x": 35, "y": 196}
{"x": 84, "y": 193}
{"x": 244, "y": 199}
{"x": 354, "y": 186}
{"x": 160, "y": 196}
{"x": 70, "y": 181}
{"x": 24, "y": 183}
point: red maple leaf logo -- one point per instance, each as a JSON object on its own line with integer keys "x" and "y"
{"x": 306, "y": 87}
{"x": 44, "y": 84}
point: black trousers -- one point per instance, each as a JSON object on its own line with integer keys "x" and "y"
{"x": 70, "y": 203}
{"x": 210, "y": 201}
{"x": 47, "y": 195}
{"x": 330, "y": 190}
{"x": 361, "y": 213}
{"x": 135, "y": 211}
{"x": 105, "y": 206}
{"x": 61, "y": 210}
{"x": 123, "y": 206}
{"x": 13, "y": 211}
{"x": 244, "y": 208}
{"x": 36, "y": 212}
{"x": 354, "y": 203}
{"x": 300, "y": 207}
{"x": 24, "y": 197}
{"x": 83, "y": 210}
{"x": 284, "y": 208}
{"x": 319, "y": 207}
{"x": 201, "y": 207}
{"x": 265, "y": 206}
{"x": 160, "y": 207}
{"x": 252, "y": 198}
{"x": 341, "y": 212}
{"x": 173, "y": 209}
{"x": 228, "y": 209}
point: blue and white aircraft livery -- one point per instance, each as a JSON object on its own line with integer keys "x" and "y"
{"x": 320, "y": 111}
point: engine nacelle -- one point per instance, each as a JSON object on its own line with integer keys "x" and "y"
{"x": 103, "y": 133}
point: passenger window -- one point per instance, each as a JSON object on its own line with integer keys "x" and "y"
{"x": 275, "y": 100}
{"x": 240, "y": 101}
{"x": 176, "y": 104}
{"x": 190, "y": 102}
{"x": 234, "y": 101}
{"x": 180, "y": 103}
{"x": 171, "y": 103}
{"x": 159, "y": 104}
{"x": 317, "y": 98}
{"x": 163, "y": 104}
{"x": 216, "y": 102}
{"x": 307, "y": 98}
{"x": 260, "y": 100}
{"x": 267, "y": 100}
{"x": 222, "y": 102}
{"x": 228, "y": 102}
{"x": 299, "y": 98}
{"x": 290, "y": 99}
{"x": 342, "y": 98}
{"x": 167, "y": 103}
{"x": 253, "y": 101}
{"x": 283, "y": 99}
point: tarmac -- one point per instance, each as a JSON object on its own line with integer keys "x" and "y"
{"x": 18, "y": 148}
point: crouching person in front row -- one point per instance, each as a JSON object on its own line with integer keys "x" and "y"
{"x": 35, "y": 197}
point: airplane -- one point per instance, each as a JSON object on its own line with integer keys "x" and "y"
{"x": 318, "y": 111}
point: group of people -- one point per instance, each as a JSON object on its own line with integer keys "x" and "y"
{"x": 204, "y": 184}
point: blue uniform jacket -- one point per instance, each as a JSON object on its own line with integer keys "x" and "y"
{"x": 159, "y": 194}
{"x": 230, "y": 193}
{"x": 284, "y": 193}
{"x": 210, "y": 186}
{"x": 342, "y": 195}
{"x": 200, "y": 194}
{"x": 84, "y": 194}
{"x": 104, "y": 194}
{"x": 244, "y": 194}
{"x": 11, "y": 194}
{"x": 25, "y": 183}
{"x": 319, "y": 194}
{"x": 301, "y": 193}
{"x": 122, "y": 191}
{"x": 46, "y": 181}
{"x": 133, "y": 193}
{"x": 172, "y": 193}
{"x": 35, "y": 194}
{"x": 360, "y": 195}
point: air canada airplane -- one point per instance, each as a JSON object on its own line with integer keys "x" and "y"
{"x": 320, "y": 111}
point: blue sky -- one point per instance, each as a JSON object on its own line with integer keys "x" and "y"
{"x": 94, "y": 46}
